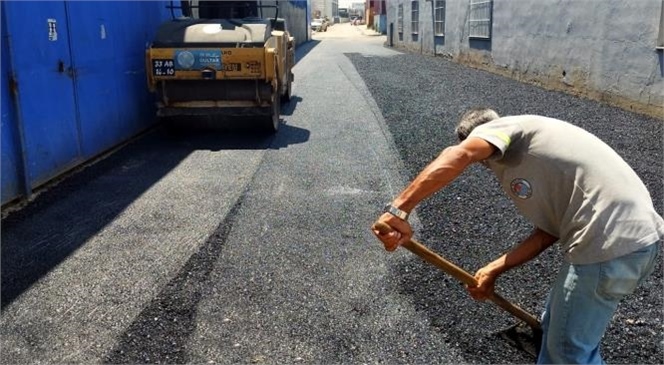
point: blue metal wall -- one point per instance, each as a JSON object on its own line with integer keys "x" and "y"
{"x": 79, "y": 74}
{"x": 11, "y": 164}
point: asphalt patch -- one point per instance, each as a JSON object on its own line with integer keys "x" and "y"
{"x": 161, "y": 332}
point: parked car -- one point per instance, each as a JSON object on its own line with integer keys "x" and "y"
{"x": 319, "y": 25}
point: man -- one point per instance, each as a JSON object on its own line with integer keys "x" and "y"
{"x": 576, "y": 191}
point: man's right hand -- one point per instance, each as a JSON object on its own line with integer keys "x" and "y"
{"x": 486, "y": 280}
{"x": 400, "y": 234}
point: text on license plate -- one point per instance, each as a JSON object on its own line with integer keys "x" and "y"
{"x": 163, "y": 67}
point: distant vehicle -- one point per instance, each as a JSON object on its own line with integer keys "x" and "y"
{"x": 356, "y": 20}
{"x": 319, "y": 25}
{"x": 343, "y": 15}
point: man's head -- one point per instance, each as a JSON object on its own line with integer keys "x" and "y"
{"x": 472, "y": 119}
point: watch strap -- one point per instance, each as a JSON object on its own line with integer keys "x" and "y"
{"x": 396, "y": 212}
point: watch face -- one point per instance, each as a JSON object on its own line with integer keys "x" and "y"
{"x": 396, "y": 212}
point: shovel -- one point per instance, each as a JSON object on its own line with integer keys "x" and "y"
{"x": 517, "y": 335}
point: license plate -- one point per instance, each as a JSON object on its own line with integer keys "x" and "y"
{"x": 233, "y": 67}
{"x": 164, "y": 67}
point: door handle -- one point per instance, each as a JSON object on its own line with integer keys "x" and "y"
{"x": 70, "y": 71}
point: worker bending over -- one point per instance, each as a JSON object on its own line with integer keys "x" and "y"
{"x": 576, "y": 191}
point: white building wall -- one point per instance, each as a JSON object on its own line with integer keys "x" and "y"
{"x": 326, "y": 8}
{"x": 602, "y": 49}
{"x": 296, "y": 14}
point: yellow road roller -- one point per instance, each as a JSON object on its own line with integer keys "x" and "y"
{"x": 226, "y": 63}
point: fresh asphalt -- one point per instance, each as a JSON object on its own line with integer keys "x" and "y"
{"x": 224, "y": 248}
{"x": 239, "y": 248}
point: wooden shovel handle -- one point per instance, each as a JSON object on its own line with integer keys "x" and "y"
{"x": 461, "y": 275}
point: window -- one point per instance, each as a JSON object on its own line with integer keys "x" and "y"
{"x": 439, "y": 18}
{"x": 400, "y": 19}
{"x": 415, "y": 16}
{"x": 480, "y": 19}
{"x": 660, "y": 37}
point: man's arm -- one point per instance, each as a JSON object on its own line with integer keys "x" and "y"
{"x": 440, "y": 172}
{"x": 443, "y": 170}
{"x": 536, "y": 243}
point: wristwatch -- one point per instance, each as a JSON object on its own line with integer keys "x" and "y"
{"x": 389, "y": 208}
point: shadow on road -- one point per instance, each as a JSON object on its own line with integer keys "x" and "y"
{"x": 63, "y": 218}
{"x": 302, "y": 50}
{"x": 216, "y": 139}
{"x": 289, "y": 108}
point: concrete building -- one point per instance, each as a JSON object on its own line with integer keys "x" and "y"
{"x": 377, "y": 15}
{"x": 607, "y": 50}
{"x": 356, "y": 9}
{"x": 324, "y": 8}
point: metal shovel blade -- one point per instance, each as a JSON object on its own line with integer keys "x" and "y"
{"x": 523, "y": 337}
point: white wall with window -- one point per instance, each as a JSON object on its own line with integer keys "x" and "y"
{"x": 414, "y": 17}
{"x": 660, "y": 37}
{"x": 400, "y": 19}
{"x": 480, "y": 19}
{"x": 607, "y": 51}
{"x": 439, "y": 18}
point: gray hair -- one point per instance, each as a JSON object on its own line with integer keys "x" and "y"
{"x": 472, "y": 119}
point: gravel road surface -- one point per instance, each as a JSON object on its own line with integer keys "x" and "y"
{"x": 471, "y": 222}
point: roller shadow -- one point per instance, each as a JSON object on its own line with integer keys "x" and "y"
{"x": 39, "y": 237}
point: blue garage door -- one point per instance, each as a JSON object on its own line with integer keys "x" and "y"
{"x": 108, "y": 49}
{"x": 41, "y": 60}
{"x": 73, "y": 83}
{"x": 12, "y": 169}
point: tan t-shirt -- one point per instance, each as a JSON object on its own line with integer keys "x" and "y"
{"x": 572, "y": 185}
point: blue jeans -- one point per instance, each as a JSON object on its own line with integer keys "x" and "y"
{"x": 582, "y": 302}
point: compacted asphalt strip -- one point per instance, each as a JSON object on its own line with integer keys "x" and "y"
{"x": 235, "y": 248}
{"x": 223, "y": 248}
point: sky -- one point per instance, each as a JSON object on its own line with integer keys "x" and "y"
{"x": 346, "y": 3}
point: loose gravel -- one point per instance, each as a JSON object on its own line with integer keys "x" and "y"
{"x": 471, "y": 221}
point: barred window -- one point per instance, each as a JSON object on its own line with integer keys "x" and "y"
{"x": 400, "y": 19}
{"x": 660, "y": 37}
{"x": 415, "y": 16}
{"x": 480, "y": 19}
{"x": 439, "y": 18}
